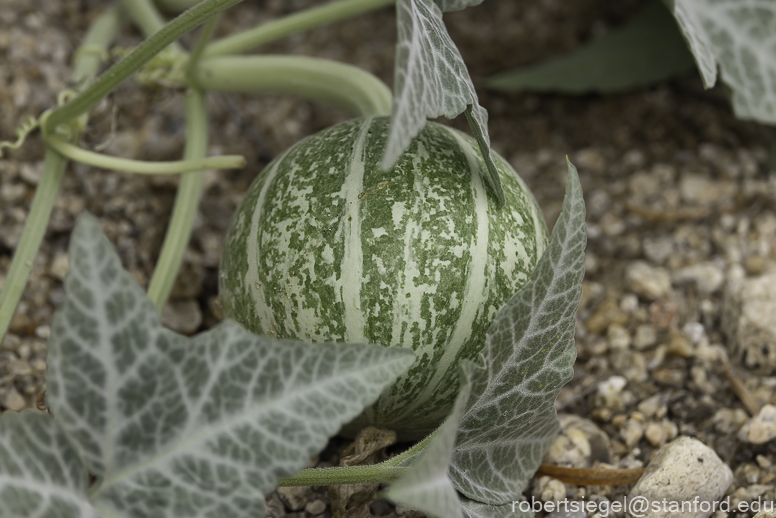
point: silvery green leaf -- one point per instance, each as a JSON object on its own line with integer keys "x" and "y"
{"x": 427, "y": 486}
{"x": 455, "y": 5}
{"x": 530, "y": 353}
{"x": 698, "y": 41}
{"x": 474, "y": 509}
{"x": 738, "y": 35}
{"x": 174, "y": 426}
{"x": 431, "y": 80}
{"x": 40, "y": 473}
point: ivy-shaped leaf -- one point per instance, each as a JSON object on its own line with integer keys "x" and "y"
{"x": 430, "y": 80}
{"x": 530, "y": 353}
{"x": 40, "y": 472}
{"x": 427, "y": 486}
{"x": 739, "y": 36}
{"x": 197, "y": 427}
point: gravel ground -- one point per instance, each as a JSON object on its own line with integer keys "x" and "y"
{"x": 675, "y": 334}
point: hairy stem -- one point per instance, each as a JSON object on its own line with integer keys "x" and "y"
{"x": 345, "y": 86}
{"x": 141, "y": 55}
{"x": 274, "y": 30}
{"x": 344, "y": 475}
{"x": 186, "y": 203}
{"x": 140, "y": 166}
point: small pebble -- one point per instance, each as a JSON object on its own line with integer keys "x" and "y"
{"x": 728, "y": 420}
{"x": 645, "y": 336}
{"x": 632, "y": 432}
{"x": 316, "y": 507}
{"x": 549, "y": 489}
{"x": 59, "y": 266}
{"x": 647, "y": 281}
{"x": 295, "y": 498}
{"x": 655, "y": 434}
{"x": 580, "y": 443}
{"x": 183, "y": 316}
{"x": 10, "y": 399}
{"x": 747, "y": 320}
{"x": 707, "y": 277}
{"x": 607, "y": 313}
{"x": 618, "y": 336}
{"x": 760, "y": 428}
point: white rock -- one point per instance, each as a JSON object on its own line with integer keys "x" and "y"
{"x": 748, "y": 322}
{"x": 646, "y": 335}
{"x": 760, "y": 428}
{"x": 707, "y": 277}
{"x": 632, "y": 432}
{"x": 655, "y": 434}
{"x": 648, "y": 281}
{"x": 550, "y": 490}
{"x": 702, "y": 190}
{"x": 680, "y": 471}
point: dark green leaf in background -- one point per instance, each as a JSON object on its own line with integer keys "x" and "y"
{"x": 648, "y": 49}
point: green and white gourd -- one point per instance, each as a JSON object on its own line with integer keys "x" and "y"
{"x": 327, "y": 247}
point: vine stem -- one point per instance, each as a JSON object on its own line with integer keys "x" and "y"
{"x": 141, "y": 55}
{"x": 186, "y": 202}
{"x": 96, "y": 41}
{"x": 93, "y": 159}
{"x": 345, "y": 86}
{"x": 274, "y": 30}
{"x": 148, "y": 18}
{"x": 31, "y": 238}
{"x": 344, "y": 475}
{"x": 386, "y": 471}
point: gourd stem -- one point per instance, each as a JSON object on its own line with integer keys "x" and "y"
{"x": 186, "y": 203}
{"x": 386, "y": 471}
{"x": 345, "y": 86}
{"x": 87, "y": 61}
{"x": 138, "y": 57}
{"x": 288, "y": 25}
{"x": 140, "y": 166}
{"x": 344, "y": 475}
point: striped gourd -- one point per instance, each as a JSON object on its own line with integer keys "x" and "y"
{"x": 327, "y": 247}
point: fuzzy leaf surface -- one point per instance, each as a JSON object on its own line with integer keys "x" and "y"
{"x": 431, "y": 80}
{"x": 530, "y": 353}
{"x": 455, "y": 5}
{"x": 740, "y": 37}
{"x": 427, "y": 486}
{"x": 648, "y": 49}
{"x": 474, "y": 509}
{"x": 196, "y": 427}
{"x": 40, "y": 473}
